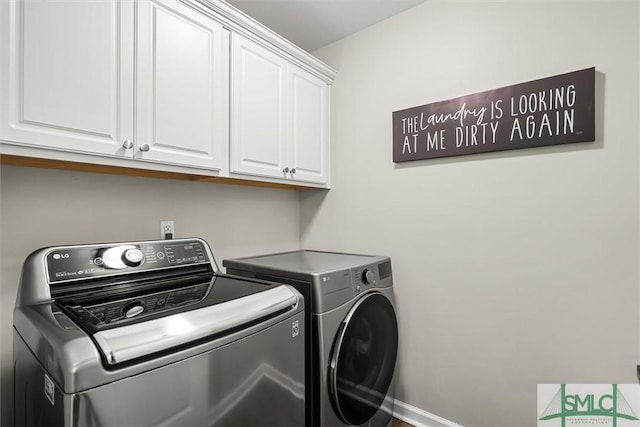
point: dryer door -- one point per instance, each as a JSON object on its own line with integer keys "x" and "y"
{"x": 363, "y": 359}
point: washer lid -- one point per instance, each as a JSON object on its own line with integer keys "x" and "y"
{"x": 130, "y": 342}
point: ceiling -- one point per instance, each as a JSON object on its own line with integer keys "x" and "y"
{"x": 312, "y": 24}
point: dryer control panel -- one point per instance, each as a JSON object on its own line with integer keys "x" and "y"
{"x": 333, "y": 288}
{"x": 377, "y": 275}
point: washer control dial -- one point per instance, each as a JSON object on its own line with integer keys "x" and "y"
{"x": 133, "y": 257}
{"x": 368, "y": 277}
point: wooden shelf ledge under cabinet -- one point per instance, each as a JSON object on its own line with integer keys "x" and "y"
{"x": 34, "y": 162}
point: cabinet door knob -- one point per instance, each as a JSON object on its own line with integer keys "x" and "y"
{"x": 285, "y": 170}
{"x": 127, "y": 144}
{"x": 293, "y": 170}
{"x": 144, "y": 148}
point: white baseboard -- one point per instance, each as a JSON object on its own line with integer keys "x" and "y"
{"x": 418, "y": 417}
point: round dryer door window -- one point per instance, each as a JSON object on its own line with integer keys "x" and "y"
{"x": 363, "y": 359}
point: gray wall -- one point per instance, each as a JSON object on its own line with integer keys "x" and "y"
{"x": 45, "y": 207}
{"x": 510, "y": 269}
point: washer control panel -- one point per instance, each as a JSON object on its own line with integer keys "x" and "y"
{"x": 82, "y": 262}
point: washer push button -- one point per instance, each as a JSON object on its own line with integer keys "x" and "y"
{"x": 133, "y": 309}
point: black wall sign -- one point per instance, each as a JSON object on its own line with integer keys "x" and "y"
{"x": 551, "y": 111}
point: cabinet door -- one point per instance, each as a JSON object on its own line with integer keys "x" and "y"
{"x": 309, "y": 139}
{"x": 182, "y": 86}
{"x": 67, "y": 74}
{"x": 258, "y": 132}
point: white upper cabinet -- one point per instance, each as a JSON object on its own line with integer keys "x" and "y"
{"x": 309, "y": 129}
{"x": 279, "y": 116}
{"x": 68, "y": 72}
{"x": 182, "y": 86}
{"x": 258, "y": 110}
{"x": 71, "y": 80}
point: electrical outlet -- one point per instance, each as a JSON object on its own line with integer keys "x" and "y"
{"x": 167, "y": 229}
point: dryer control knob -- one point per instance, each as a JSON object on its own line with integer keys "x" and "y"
{"x": 133, "y": 257}
{"x": 368, "y": 278}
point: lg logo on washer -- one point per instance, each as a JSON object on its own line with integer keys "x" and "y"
{"x": 60, "y": 256}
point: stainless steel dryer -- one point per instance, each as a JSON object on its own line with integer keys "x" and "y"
{"x": 352, "y": 334}
{"x": 151, "y": 334}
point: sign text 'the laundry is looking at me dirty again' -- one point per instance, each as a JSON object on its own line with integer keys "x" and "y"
{"x": 550, "y": 111}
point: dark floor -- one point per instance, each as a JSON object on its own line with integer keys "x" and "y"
{"x": 398, "y": 423}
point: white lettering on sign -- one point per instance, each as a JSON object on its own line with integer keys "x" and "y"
{"x": 550, "y": 111}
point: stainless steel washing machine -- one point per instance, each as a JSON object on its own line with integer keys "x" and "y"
{"x": 149, "y": 334}
{"x": 352, "y": 334}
